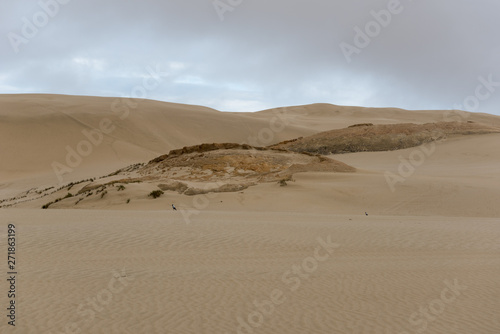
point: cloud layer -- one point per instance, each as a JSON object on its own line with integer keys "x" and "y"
{"x": 242, "y": 55}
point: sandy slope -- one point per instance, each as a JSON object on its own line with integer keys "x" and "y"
{"x": 201, "y": 277}
{"x": 35, "y": 131}
{"x": 458, "y": 178}
{"x": 200, "y": 269}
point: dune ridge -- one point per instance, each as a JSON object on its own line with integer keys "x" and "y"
{"x": 333, "y": 249}
{"x": 42, "y": 127}
{"x": 367, "y": 137}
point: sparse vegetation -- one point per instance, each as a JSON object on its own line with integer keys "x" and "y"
{"x": 114, "y": 173}
{"x": 101, "y": 187}
{"x": 284, "y": 182}
{"x": 104, "y": 193}
{"x": 386, "y": 137}
{"x": 121, "y": 187}
{"x": 39, "y": 192}
{"x": 362, "y": 124}
{"x": 46, "y": 206}
{"x": 156, "y": 193}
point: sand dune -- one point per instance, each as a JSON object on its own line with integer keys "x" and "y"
{"x": 294, "y": 259}
{"x": 38, "y": 130}
{"x": 459, "y": 177}
{"x": 43, "y": 126}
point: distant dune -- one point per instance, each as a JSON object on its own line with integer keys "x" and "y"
{"x": 49, "y": 141}
{"x": 42, "y": 127}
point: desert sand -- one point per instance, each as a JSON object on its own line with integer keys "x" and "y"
{"x": 300, "y": 258}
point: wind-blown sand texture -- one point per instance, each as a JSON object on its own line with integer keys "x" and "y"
{"x": 270, "y": 258}
{"x": 199, "y": 278}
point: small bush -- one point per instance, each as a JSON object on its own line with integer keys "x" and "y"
{"x": 121, "y": 187}
{"x": 46, "y": 206}
{"x": 362, "y": 124}
{"x": 128, "y": 201}
{"x": 282, "y": 183}
{"x": 156, "y": 193}
{"x": 104, "y": 193}
{"x": 68, "y": 195}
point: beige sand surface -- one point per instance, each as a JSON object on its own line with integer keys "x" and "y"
{"x": 425, "y": 260}
{"x": 35, "y": 131}
{"x": 200, "y": 277}
{"x": 460, "y": 178}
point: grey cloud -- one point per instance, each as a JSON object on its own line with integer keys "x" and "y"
{"x": 264, "y": 53}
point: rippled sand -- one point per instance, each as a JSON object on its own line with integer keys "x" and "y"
{"x": 382, "y": 274}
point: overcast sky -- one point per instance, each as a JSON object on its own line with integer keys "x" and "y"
{"x": 248, "y": 55}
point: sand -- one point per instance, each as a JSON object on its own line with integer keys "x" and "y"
{"x": 36, "y": 131}
{"x": 303, "y": 258}
{"x": 201, "y": 277}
